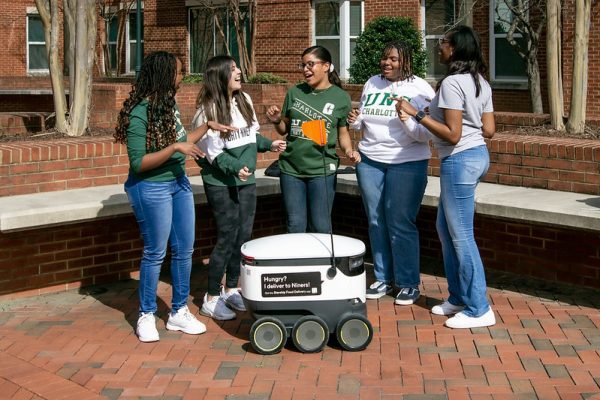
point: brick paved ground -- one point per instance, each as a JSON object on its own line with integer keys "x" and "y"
{"x": 81, "y": 345}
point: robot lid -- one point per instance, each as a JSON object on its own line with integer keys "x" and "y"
{"x": 302, "y": 245}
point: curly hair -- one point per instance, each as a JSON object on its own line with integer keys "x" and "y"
{"x": 156, "y": 83}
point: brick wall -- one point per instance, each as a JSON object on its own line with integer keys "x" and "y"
{"x": 530, "y": 161}
{"x": 535, "y": 250}
{"x": 101, "y": 251}
{"x": 107, "y": 250}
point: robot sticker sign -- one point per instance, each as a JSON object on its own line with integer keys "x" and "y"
{"x": 291, "y": 284}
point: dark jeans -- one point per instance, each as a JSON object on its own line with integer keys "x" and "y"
{"x": 233, "y": 208}
{"x": 308, "y": 202}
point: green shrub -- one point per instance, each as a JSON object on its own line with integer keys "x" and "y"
{"x": 266, "y": 77}
{"x": 193, "y": 78}
{"x": 371, "y": 42}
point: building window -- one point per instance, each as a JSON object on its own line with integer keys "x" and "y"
{"x": 212, "y": 32}
{"x": 37, "y": 58}
{"x": 337, "y": 24}
{"x": 438, "y": 17}
{"x": 505, "y": 63}
{"x": 130, "y": 41}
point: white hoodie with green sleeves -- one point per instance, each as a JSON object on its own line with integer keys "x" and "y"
{"x": 226, "y": 156}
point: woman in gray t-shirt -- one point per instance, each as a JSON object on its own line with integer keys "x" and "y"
{"x": 460, "y": 116}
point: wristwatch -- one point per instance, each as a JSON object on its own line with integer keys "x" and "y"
{"x": 420, "y": 115}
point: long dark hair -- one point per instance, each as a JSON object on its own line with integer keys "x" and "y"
{"x": 405, "y": 55}
{"x": 214, "y": 94}
{"x": 322, "y": 54}
{"x": 156, "y": 83}
{"x": 466, "y": 55}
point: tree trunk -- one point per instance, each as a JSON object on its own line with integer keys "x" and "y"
{"x": 535, "y": 91}
{"x": 48, "y": 11}
{"x": 69, "y": 12}
{"x": 576, "y": 122}
{"x": 85, "y": 29}
{"x": 553, "y": 61}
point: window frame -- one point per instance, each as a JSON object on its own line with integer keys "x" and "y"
{"x": 344, "y": 37}
{"x": 492, "y": 50}
{"x": 128, "y": 41}
{"x": 37, "y": 71}
{"x": 426, "y": 37}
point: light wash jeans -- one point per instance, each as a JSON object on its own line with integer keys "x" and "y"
{"x": 459, "y": 175}
{"x": 308, "y": 202}
{"x": 392, "y": 195}
{"x": 165, "y": 214}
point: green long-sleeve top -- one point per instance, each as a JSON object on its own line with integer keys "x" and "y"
{"x": 171, "y": 169}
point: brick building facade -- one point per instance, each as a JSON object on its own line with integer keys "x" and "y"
{"x": 286, "y": 27}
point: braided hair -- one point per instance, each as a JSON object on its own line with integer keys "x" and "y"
{"x": 405, "y": 53}
{"x": 156, "y": 83}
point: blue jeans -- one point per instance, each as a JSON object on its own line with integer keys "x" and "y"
{"x": 165, "y": 214}
{"x": 459, "y": 175}
{"x": 392, "y": 195}
{"x": 234, "y": 208}
{"x": 308, "y": 202}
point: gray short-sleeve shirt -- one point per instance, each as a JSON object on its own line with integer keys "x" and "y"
{"x": 457, "y": 92}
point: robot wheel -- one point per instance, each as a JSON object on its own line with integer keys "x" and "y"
{"x": 354, "y": 332}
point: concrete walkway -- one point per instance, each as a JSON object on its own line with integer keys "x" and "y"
{"x": 81, "y": 345}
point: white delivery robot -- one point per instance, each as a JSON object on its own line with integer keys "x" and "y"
{"x": 291, "y": 287}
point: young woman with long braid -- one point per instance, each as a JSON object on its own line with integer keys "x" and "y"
{"x": 158, "y": 189}
{"x": 461, "y": 116}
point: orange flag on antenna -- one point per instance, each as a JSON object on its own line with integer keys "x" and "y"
{"x": 315, "y": 131}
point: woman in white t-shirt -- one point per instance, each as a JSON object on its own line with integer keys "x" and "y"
{"x": 393, "y": 173}
{"x": 460, "y": 116}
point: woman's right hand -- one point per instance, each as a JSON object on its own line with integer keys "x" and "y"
{"x": 189, "y": 149}
{"x": 274, "y": 114}
{"x": 353, "y": 115}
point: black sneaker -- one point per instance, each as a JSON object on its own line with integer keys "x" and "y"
{"x": 407, "y": 296}
{"x": 377, "y": 290}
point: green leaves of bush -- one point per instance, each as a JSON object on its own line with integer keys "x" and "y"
{"x": 379, "y": 32}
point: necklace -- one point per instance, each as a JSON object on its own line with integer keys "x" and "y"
{"x": 393, "y": 87}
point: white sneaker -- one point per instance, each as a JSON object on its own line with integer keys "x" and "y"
{"x": 462, "y": 321}
{"x": 446, "y": 308}
{"x": 146, "y": 328}
{"x": 233, "y": 299}
{"x": 216, "y": 309}
{"x": 184, "y": 321}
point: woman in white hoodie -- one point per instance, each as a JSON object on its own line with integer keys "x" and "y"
{"x": 393, "y": 173}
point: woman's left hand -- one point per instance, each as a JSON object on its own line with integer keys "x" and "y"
{"x": 278, "y": 145}
{"x": 244, "y": 174}
{"x": 353, "y": 155}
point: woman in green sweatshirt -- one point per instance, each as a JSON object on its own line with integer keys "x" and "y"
{"x": 158, "y": 189}
{"x": 228, "y": 176}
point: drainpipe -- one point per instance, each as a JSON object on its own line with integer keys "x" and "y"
{"x": 138, "y": 37}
